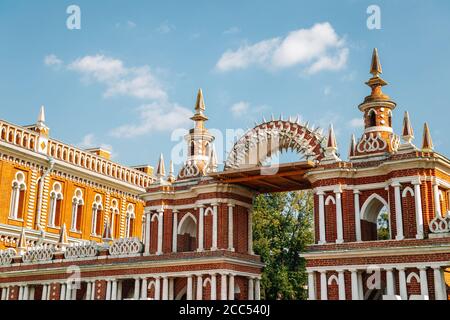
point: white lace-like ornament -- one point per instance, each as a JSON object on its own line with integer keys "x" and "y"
{"x": 6, "y": 256}
{"x": 87, "y": 249}
{"x": 125, "y": 247}
{"x": 39, "y": 254}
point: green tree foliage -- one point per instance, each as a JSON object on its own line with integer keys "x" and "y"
{"x": 283, "y": 227}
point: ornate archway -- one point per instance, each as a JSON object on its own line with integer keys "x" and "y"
{"x": 271, "y": 137}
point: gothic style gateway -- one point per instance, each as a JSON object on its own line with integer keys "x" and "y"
{"x": 74, "y": 225}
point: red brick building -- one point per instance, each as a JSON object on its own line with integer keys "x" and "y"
{"x": 382, "y": 222}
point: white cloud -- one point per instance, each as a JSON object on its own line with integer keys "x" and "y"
{"x": 356, "y": 123}
{"x": 118, "y": 79}
{"x": 232, "y": 30}
{"x": 165, "y": 27}
{"x": 317, "y": 49}
{"x": 240, "y": 108}
{"x": 157, "y": 116}
{"x": 327, "y": 90}
{"x": 131, "y": 24}
{"x": 52, "y": 60}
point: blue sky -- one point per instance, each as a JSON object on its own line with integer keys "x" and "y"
{"x": 136, "y": 64}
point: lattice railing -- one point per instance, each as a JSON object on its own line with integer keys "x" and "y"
{"x": 128, "y": 246}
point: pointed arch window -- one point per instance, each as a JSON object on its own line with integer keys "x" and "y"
{"x": 77, "y": 210}
{"x": 115, "y": 219}
{"x": 372, "y": 118}
{"x": 56, "y": 198}
{"x": 131, "y": 216}
{"x": 17, "y": 205}
{"x": 97, "y": 216}
{"x": 390, "y": 118}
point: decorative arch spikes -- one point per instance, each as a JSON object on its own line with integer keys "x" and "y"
{"x": 259, "y": 143}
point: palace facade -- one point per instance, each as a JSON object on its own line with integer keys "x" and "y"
{"x": 75, "y": 225}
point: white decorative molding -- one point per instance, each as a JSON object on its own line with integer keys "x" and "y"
{"x": 87, "y": 249}
{"x": 371, "y": 143}
{"x": 440, "y": 225}
{"x": 6, "y": 256}
{"x": 42, "y": 253}
{"x": 127, "y": 246}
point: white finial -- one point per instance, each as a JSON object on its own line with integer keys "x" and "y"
{"x": 41, "y": 118}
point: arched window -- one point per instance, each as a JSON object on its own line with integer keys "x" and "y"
{"x": 131, "y": 216}
{"x": 187, "y": 234}
{"x": 97, "y": 216}
{"x": 390, "y": 118}
{"x": 192, "y": 148}
{"x": 77, "y": 210}
{"x": 375, "y": 222}
{"x": 56, "y": 198}
{"x": 17, "y": 205}
{"x": 3, "y": 133}
{"x": 115, "y": 219}
{"x": 372, "y": 118}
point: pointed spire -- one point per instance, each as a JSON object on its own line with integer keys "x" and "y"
{"x": 22, "y": 243}
{"x": 375, "y": 67}
{"x": 161, "y": 171}
{"x": 427, "y": 142}
{"x": 331, "y": 149}
{"x": 376, "y": 82}
{"x": 331, "y": 143}
{"x": 171, "y": 177}
{"x": 62, "y": 241}
{"x": 407, "y": 132}
{"x": 200, "y": 104}
{"x": 352, "y": 151}
{"x": 213, "y": 159}
{"x": 41, "y": 118}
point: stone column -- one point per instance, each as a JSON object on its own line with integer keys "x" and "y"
{"x": 119, "y": 290}
{"x": 214, "y": 227}
{"x": 144, "y": 287}
{"x": 114, "y": 290}
{"x": 231, "y": 287}
{"x": 258, "y": 289}
{"x": 88, "y": 290}
{"x": 423, "y": 282}
{"x": 355, "y": 287}
{"x": 250, "y": 232}
{"x": 171, "y": 289}
{"x": 157, "y": 288}
{"x": 398, "y": 211}
{"x": 199, "y": 287}
{"x": 223, "y": 287}
{"x": 341, "y": 279}
{"x": 148, "y": 221}
{"x": 418, "y": 206}
{"x": 62, "y": 294}
{"x": 175, "y": 231}
{"x": 165, "y": 289}
{"x": 160, "y": 231}
{"x": 4, "y": 293}
{"x": 311, "y": 285}
{"x": 356, "y": 194}
{"x": 136, "y": 289}
{"x": 251, "y": 289}
{"x": 93, "y": 291}
{"x": 339, "y": 221}
{"x": 322, "y": 234}
{"x": 201, "y": 231}
{"x": 108, "y": 290}
{"x": 189, "y": 288}
{"x": 439, "y": 292}
{"x": 213, "y": 287}
{"x": 402, "y": 283}
{"x": 323, "y": 285}
{"x": 390, "y": 285}
{"x": 26, "y": 291}
{"x": 437, "y": 201}
{"x": 230, "y": 227}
